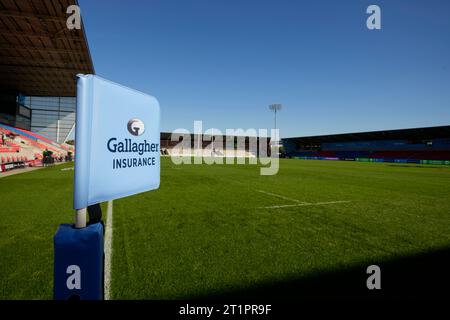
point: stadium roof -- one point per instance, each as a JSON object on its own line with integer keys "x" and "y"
{"x": 412, "y": 134}
{"x": 39, "y": 55}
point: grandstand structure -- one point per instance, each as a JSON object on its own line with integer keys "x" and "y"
{"x": 40, "y": 58}
{"x": 242, "y": 147}
{"x": 20, "y": 148}
{"x": 429, "y": 145}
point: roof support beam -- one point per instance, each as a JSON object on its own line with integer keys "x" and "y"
{"x": 46, "y": 50}
{"x": 59, "y": 35}
{"x": 19, "y": 61}
{"x": 32, "y": 15}
{"x": 40, "y": 69}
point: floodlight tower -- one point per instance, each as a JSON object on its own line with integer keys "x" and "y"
{"x": 275, "y": 107}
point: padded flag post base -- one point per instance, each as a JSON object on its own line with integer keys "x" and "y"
{"x": 79, "y": 257}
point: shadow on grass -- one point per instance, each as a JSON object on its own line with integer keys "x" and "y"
{"x": 422, "y": 276}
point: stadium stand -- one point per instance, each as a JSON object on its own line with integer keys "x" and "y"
{"x": 39, "y": 61}
{"x": 419, "y": 145}
{"x": 175, "y": 148}
{"x": 20, "y": 148}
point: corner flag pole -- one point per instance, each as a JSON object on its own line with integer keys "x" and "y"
{"x": 80, "y": 218}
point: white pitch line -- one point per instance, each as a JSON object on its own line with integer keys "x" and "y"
{"x": 304, "y": 204}
{"x": 282, "y": 197}
{"x": 108, "y": 250}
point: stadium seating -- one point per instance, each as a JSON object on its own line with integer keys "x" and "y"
{"x": 25, "y": 147}
{"x": 178, "y": 151}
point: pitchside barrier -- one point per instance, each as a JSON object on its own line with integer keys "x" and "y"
{"x": 115, "y": 126}
{"x": 435, "y": 162}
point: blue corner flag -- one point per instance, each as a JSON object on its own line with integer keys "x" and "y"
{"x": 116, "y": 143}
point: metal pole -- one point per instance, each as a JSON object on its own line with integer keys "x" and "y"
{"x": 275, "y": 108}
{"x": 80, "y": 218}
{"x": 71, "y": 129}
{"x": 57, "y": 131}
{"x": 275, "y": 119}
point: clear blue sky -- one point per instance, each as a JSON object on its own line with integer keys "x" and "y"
{"x": 225, "y": 61}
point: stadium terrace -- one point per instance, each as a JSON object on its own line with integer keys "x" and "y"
{"x": 127, "y": 146}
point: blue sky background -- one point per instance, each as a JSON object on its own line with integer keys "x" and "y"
{"x": 225, "y": 61}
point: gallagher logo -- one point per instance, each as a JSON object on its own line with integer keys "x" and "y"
{"x": 145, "y": 152}
{"x": 136, "y": 127}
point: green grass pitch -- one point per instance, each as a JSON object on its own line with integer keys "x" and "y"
{"x": 216, "y": 228}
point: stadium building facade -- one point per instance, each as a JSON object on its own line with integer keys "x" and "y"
{"x": 52, "y": 117}
{"x": 418, "y": 145}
